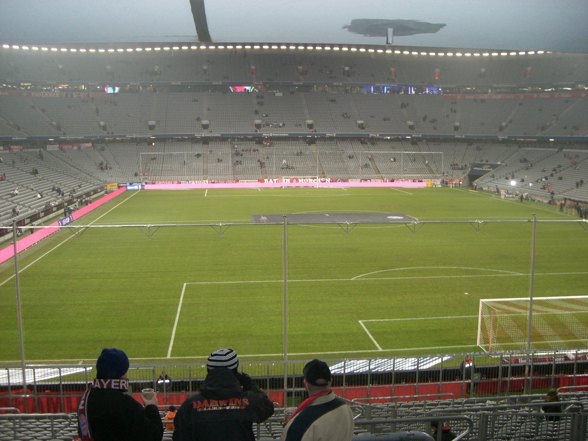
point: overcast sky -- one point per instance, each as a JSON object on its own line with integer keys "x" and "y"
{"x": 498, "y": 24}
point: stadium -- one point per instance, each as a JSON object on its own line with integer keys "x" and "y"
{"x": 389, "y": 202}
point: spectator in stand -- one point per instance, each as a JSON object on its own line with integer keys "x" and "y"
{"x": 168, "y": 419}
{"x": 468, "y": 369}
{"x": 107, "y": 412}
{"x": 552, "y": 405}
{"x": 443, "y": 433}
{"x": 226, "y": 407}
{"x": 323, "y": 416}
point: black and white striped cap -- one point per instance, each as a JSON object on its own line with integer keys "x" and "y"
{"x": 223, "y": 358}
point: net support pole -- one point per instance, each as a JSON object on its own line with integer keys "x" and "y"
{"x": 531, "y": 296}
{"x": 19, "y": 319}
{"x": 285, "y": 304}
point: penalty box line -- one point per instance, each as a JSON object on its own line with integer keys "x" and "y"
{"x": 362, "y": 323}
{"x": 356, "y": 278}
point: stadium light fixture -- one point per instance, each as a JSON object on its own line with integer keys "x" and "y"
{"x": 63, "y": 49}
{"x": 512, "y": 54}
{"x": 15, "y": 46}
{"x": 120, "y": 49}
{"x": 522, "y": 53}
{"x": 5, "y": 46}
{"x": 441, "y": 54}
{"x": 513, "y": 183}
{"x": 345, "y": 49}
{"x": 540, "y": 52}
{"x": 256, "y": 47}
{"x": 450, "y": 54}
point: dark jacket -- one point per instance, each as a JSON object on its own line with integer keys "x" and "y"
{"x": 224, "y": 410}
{"x": 116, "y": 416}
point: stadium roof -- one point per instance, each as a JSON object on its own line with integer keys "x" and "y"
{"x": 553, "y": 25}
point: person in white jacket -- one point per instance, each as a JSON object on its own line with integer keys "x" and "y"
{"x": 323, "y": 416}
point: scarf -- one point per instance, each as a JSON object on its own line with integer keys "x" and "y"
{"x": 308, "y": 402}
{"x": 98, "y": 383}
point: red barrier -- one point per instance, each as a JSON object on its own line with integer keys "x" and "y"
{"x": 53, "y": 402}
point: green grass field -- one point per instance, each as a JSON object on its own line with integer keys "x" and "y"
{"x": 372, "y": 290}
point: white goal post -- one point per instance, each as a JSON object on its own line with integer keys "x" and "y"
{"x": 559, "y": 323}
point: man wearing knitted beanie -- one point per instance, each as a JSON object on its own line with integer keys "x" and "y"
{"x": 108, "y": 413}
{"x": 226, "y": 406}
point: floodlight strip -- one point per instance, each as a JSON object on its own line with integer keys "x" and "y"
{"x": 127, "y": 48}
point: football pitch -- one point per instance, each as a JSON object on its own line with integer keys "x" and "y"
{"x": 175, "y": 275}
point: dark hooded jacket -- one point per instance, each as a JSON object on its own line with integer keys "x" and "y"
{"x": 116, "y": 416}
{"x": 225, "y": 409}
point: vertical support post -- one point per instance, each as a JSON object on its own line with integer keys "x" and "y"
{"x": 531, "y": 294}
{"x": 285, "y": 304}
{"x": 532, "y": 281}
{"x": 19, "y": 318}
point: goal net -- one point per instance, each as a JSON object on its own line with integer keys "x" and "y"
{"x": 558, "y": 323}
